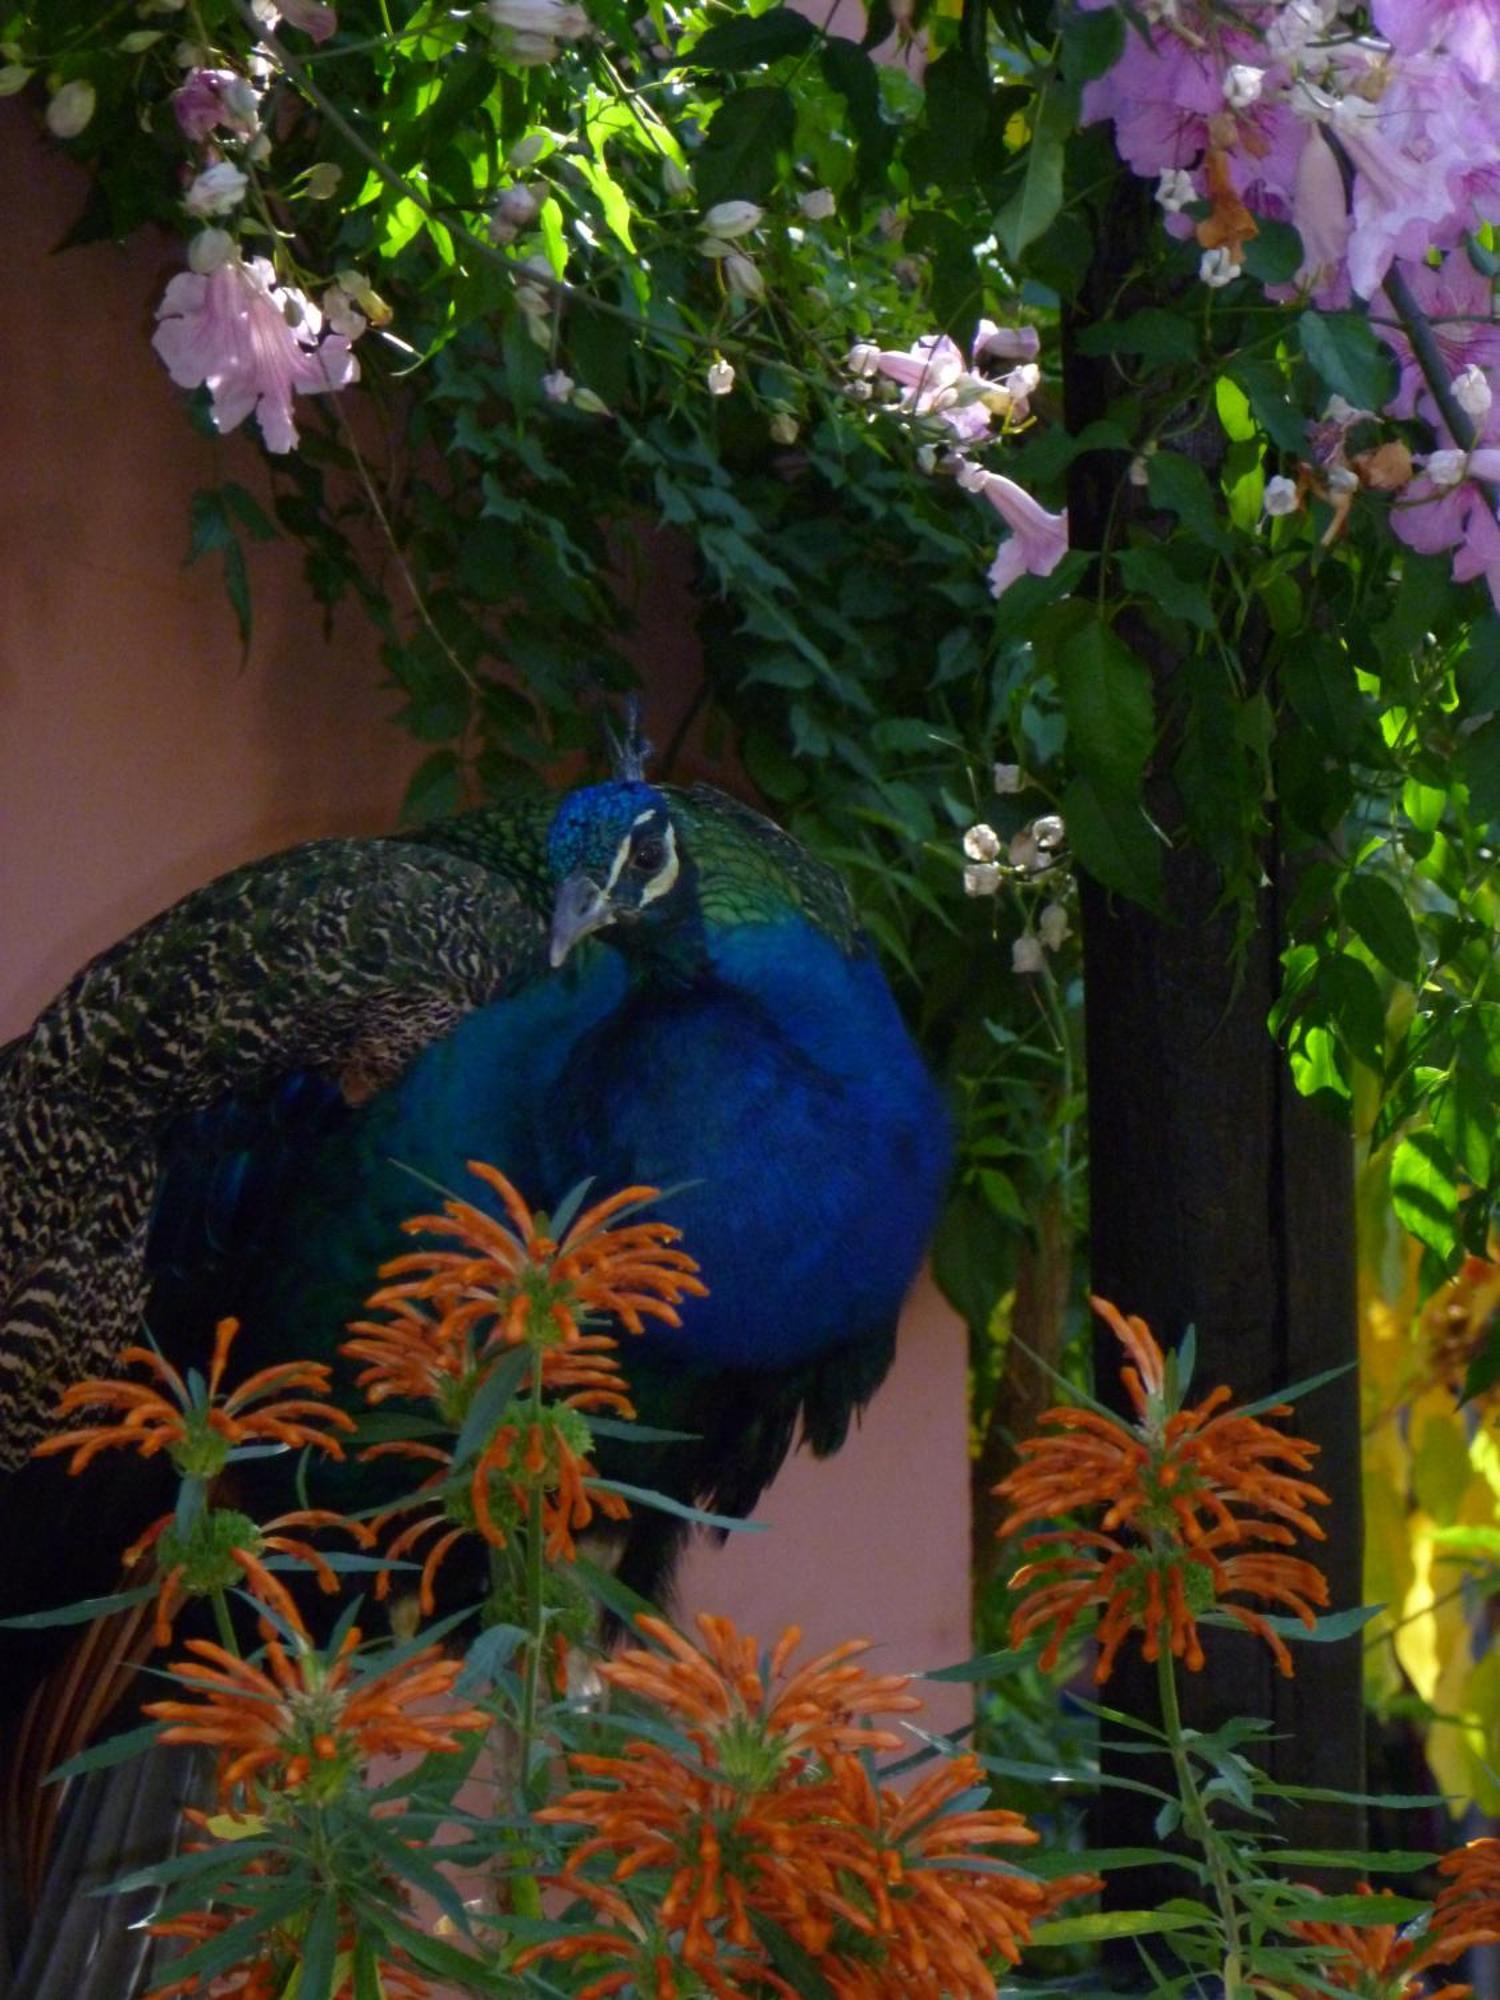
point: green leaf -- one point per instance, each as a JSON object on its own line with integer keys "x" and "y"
{"x": 1154, "y": 332}
{"x": 1153, "y": 575}
{"x": 1325, "y": 1631}
{"x": 663, "y": 1503}
{"x": 741, "y": 151}
{"x": 1114, "y": 841}
{"x": 850, "y": 72}
{"x": 314, "y": 1980}
{"x": 1351, "y": 360}
{"x": 1035, "y": 203}
{"x": 1100, "y": 1925}
{"x": 1107, "y": 699}
{"x": 496, "y": 1390}
{"x": 117, "y": 1750}
{"x": 1265, "y": 389}
{"x": 1424, "y": 1191}
{"x": 435, "y": 788}
{"x": 82, "y": 1612}
{"x": 752, "y": 39}
{"x": 955, "y": 113}
{"x": 1273, "y": 256}
{"x": 1180, "y": 485}
{"x": 796, "y": 1966}
{"x": 1092, "y": 42}
{"x": 1479, "y": 766}
{"x": 1463, "y": 1107}
{"x": 1319, "y": 683}
{"x": 1373, "y": 909}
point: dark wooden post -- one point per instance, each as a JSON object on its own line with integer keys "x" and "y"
{"x": 1219, "y": 1199}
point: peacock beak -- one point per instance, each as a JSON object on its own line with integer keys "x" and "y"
{"x": 581, "y": 907}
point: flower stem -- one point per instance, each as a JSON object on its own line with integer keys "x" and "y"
{"x": 1199, "y": 1823}
{"x": 224, "y": 1623}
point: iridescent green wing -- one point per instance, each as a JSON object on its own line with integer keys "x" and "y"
{"x": 752, "y": 872}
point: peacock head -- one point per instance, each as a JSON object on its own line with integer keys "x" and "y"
{"x": 616, "y": 860}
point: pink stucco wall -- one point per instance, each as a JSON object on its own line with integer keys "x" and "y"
{"x": 139, "y": 756}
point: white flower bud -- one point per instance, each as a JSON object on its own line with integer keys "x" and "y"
{"x": 209, "y": 249}
{"x": 971, "y": 476}
{"x": 1140, "y": 470}
{"x": 1472, "y": 392}
{"x": 863, "y": 358}
{"x": 1049, "y": 832}
{"x": 70, "y": 108}
{"x": 518, "y": 206}
{"x": 1026, "y": 954}
{"x": 857, "y": 392}
{"x": 1008, "y": 779}
{"x": 744, "y": 276}
{"x": 1342, "y": 412}
{"x": 1174, "y": 190}
{"x": 217, "y": 190}
{"x": 1217, "y": 268}
{"x": 982, "y": 843}
{"x": 341, "y": 313}
{"x": 983, "y": 878}
{"x": 1281, "y": 496}
{"x": 720, "y": 377}
{"x": 1447, "y": 468}
{"x": 731, "y": 218}
{"x": 927, "y": 458}
{"x": 322, "y": 182}
{"x": 1242, "y": 86}
{"x": 818, "y": 204}
{"x": 783, "y": 427}
{"x": 1342, "y": 479}
{"x": 1052, "y": 926}
{"x": 589, "y": 403}
{"x": 557, "y": 387}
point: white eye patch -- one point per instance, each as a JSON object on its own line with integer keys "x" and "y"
{"x": 664, "y": 877}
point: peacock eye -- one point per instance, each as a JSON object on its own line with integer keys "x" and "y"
{"x": 648, "y": 855}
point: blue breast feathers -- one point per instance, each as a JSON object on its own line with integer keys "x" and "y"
{"x": 781, "y": 1098}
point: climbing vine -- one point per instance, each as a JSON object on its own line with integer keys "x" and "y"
{"x": 546, "y": 284}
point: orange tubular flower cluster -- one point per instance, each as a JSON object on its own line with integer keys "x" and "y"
{"x": 508, "y": 1280}
{"x": 177, "y": 1581}
{"x": 307, "y": 1721}
{"x": 1186, "y": 1487}
{"x": 201, "y": 1435}
{"x": 768, "y": 1812}
{"x": 267, "y": 1976}
{"x": 451, "y": 1314}
{"x": 1384, "y": 1963}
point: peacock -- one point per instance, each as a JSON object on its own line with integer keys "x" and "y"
{"x": 231, "y": 1112}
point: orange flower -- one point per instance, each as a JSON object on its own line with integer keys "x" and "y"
{"x": 1384, "y": 1962}
{"x": 719, "y": 1689}
{"x": 521, "y": 1285}
{"x": 451, "y": 1318}
{"x": 269, "y": 1974}
{"x": 310, "y": 1721}
{"x": 938, "y": 1921}
{"x": 648, "y": 1964}
{"x": 224, "y": 1548}
{"x": 1187, "y": 1485}
{"x": 196, "y": 1430}
{"x": 767, "y": 1811}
